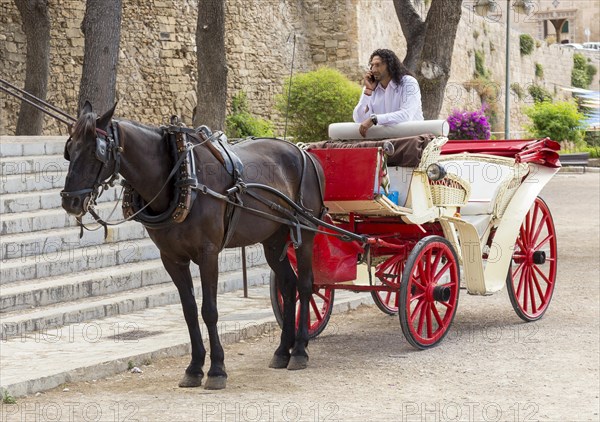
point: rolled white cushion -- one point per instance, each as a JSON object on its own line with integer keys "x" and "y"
{"x": 349, "y": 130}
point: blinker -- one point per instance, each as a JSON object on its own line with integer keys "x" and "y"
{"x": 102, "y": 150}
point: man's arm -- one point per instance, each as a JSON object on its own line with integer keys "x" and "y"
{"x": 362, "y": 109}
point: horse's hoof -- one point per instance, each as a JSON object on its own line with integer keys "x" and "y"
{"x": 190, "y": 381}
{"x": 297, "y": 362}
{"x": 215, "y": 383}
{"x": 279, "y": 362}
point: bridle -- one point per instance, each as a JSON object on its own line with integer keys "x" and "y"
{"x": 108, "y": 153}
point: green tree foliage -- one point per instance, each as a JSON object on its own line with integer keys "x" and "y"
{"x": 241, "y": 123}
{"x": 527, "y": 44}
{"x": 560, "y": 121}
{"x": 317, "y": 99}
{"x": 583, "y": 72}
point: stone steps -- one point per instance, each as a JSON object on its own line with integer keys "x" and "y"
{"x": 82, "y": 258}
{"x": 42, "y": 200}
{"x": 51, "y": 242}
{"x": 55, "y": 218}
{"x": 21, "y": 322}
{"x": 50, "y": 277}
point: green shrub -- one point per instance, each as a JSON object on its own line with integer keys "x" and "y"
{"x": 539, "y": 71}
{"x": 317, "y": 99}
{"x": 241, "y": 123}
{"x": 560, "y": 121}
{"x": 480, "y": 70}
{"x": 539, "y": 93}
{"x": 592, "y": 138}
{"x": 583, "y": 72}
{"x": 527, "y": 44}
{"x": 517, "y": 90}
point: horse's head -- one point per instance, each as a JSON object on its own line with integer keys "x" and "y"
{"x": 93, "y": 154}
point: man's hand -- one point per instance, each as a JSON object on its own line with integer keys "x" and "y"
{"x": 364, "y": 126}
{"x": 370, "y": 82}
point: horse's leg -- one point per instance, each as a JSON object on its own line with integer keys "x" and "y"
{"x": 299, "y": 358}
{"x": 286, "y": 284}
{"x": 209, "y": 274}
{"x": 180, "y": 274}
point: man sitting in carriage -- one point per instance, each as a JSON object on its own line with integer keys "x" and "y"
{"x": 391, "y": 94}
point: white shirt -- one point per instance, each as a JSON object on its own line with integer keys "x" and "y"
{"x": 392, "y": 105}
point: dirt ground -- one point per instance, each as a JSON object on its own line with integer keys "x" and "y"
{"x": 491, "y": 367}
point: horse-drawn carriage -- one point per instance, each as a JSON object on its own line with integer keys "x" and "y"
{"x": 416, "y": 213}
{"x": 438, "y": 215}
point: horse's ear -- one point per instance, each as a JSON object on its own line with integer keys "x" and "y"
{"x": 105, "y": 119}
{"x": 87, "y": 108}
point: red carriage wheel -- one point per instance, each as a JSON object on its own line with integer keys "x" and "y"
{"x": 388, "y": 273}
{"x": 319, "y": 307}
{"x": 532, "y": 274}
{"x": 429, "y": 292}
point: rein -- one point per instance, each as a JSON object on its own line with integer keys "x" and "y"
{"x": 52, "y": 111}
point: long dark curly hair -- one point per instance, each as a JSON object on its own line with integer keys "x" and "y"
{"x": 395, "y": 66}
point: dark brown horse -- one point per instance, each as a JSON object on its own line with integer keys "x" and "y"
{"x": 146, "y": 162}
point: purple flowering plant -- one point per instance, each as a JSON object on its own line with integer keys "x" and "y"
{"x": 465, "y": 125}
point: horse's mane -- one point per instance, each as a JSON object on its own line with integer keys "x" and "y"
{"x": 85, "y": 124}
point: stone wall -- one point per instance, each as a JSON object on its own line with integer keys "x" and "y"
{"x": 157, "y": 65}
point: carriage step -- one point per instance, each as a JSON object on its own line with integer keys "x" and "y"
{"x": 24, "y": 222}
{"x": 42, "y": 200}
{"x": 50, "y": 317}
{"x": 102, "y": 281}
{"x": 53, "y": 242}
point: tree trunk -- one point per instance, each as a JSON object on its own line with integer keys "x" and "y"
{"x": 101, "y": 28}
{"x": 212, "y": 65}
{"x": 413, "y": 29}
{"x": 435, "y": 38}
{"x": 36, "y": 25}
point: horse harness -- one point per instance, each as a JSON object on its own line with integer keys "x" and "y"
{"x": 180, "y": 138}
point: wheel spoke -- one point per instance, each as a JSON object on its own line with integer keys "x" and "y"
{"x": 528, "y": 225}
{"x": 526, "y": 289}
{"x": 539, "y": 229}
{"x": 519, "y": 268}
{"x": 442, "y": 271}
{"x": 316, "y": 310}
{"x": 436, "y": 262}
{"x": 520, "y": 244}
{"x": 321, "y": 295}
{"x": 416, "y": 312}
{"x": 531, "y": 294}
{"x": 428, "y": 269}
{"x": 421, "y": 272}
{"x": 520, "y": 285}
{"x": 437, "y": 316}
{"x": 429, "y": 324}
{"x": 546, "y": 279}
{"x": 539, "y": 289}
{"x": 543, "y": 242}
{"x": 421, "y": 317}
